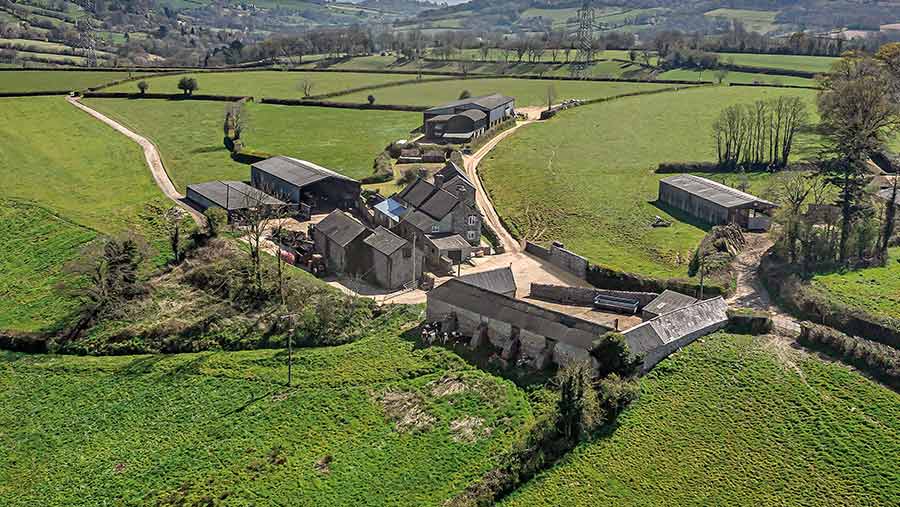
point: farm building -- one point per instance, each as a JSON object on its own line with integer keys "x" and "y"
{"x": 656, "y": 339}
{"x": 499, "y": 281}
{"x": 523, "y": 331}
{"x": 715, "y": 203}
{"x": 885, "y": 195}
{"x": 666, "y": 302}
{"x": 340, "y": 238}
{"x": 392, "y": 261}
{"x": 231, "y": 196}
{"x": 465, "y": 119}
{"x": 302, "y": 182}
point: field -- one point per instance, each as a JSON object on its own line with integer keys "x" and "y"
{"x": 736, "y": 77}
{"x": 222, "y": 428}
{"x": 49, "y": 80}
{"x": 189, "y": 135}
{"x": 734, "y": 420}
{"x": 874, "y": 290}
{"x": 34, "y": 246}
{"x": 754, "y": 21}
{"x": 595, "y": 166}
{"x": 275, "y": 84}
{"x": 788, "y": 62}
{"x": 527, "y": 92}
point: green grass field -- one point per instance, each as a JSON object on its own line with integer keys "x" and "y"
{"x": 594, "y": 168}
{"x": 754, "y": 21}
{"x": 189, "y": 135}
{"x": 222, "y": 428}
{"x": 735, "y": 420}
{"x": 736, "y": 77}
{"x": 50, "y": 80}
{"x": 34, "y": 246}
{"x": 275, "y": 84}
{"x": 527, "y": 92}
{"x": 789, "y": 62}
{"x": 874, "y": 290}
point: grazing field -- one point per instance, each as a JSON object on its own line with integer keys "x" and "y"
{"x": 189, "y": 135}
{"x": 594, "y": 168}
{"x": 875, "y": 290}
{"x": 527, "y": 92}
{"x": 754, "y": 21}
{"x": 788, "y": 62}
{"x": 736, "y": 77}
{"x": 74, "y": 165}
{"x": 375, "y": 422}
{"x": 34, "y": 246}
{"x": 266, "y": 83}
{"x": 53, "y": 80}
{"x": 736, "y": 420}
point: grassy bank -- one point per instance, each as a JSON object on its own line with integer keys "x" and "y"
{"x": 874, "y": 291}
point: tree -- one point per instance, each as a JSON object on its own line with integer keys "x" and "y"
{"x": 859, "y": 110}
{"x": 577, "y": 407}
{"x": 890, "y": 218}
{"x": 371, "y": 99}
{"x": 188, "y": 85}
{"x": 216, "y": 219}
{"x": 258, "y": 216}
{"x": 466, "y": 94}
{"x": 551, "y": 95}
{"x": 721, "y": 74}
{"x": 177, "y": 223}
{"x": 143, "y": 86}
{"x": 307, "y": 87}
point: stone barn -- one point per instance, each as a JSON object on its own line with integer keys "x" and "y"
{"x": 394, "y": 263}
{"x": 715, "y": 203}
{"x": 340, "y": 238}
{"x": 666, "y": 302}
{"x": 302, "y": 182}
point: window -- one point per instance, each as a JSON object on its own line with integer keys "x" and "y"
{"x": 472, "y": 235}
{"x": 461, "y": 189}
{"x": 407, "y": 253}
{"x": 472, "y": 220}
{"x": 435, "y": 228}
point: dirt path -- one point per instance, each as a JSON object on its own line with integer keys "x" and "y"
{"x": 509, "y": 243}
{"x": 750, "y": 292}
{"x": 151, "y": 154}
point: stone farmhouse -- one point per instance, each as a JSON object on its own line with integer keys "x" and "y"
{"x": 304, "y": 183}
{"x": 235, "y": 197}
{"x": 463, "y": 120}
{"x": 715, "y": 203}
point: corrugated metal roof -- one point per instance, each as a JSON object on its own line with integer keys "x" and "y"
{"x": 492, "y": 101}
{"x": 392, "y": 208}
{"x": 676, "y": 325}
{"x": 716, "y": 192}
{"x": 297, "y": 172}
{"x": 341, "y": 228}
{"x": 385, "y": 241}
{"x": 669, "y": 301}
{"x": 233, "y": 195}
{"x": 500, "y": 281}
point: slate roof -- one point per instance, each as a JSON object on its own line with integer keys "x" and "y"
{"x": 417, "y": 192}
{"x": 299, "y": 173}
{"x": 385, "y": 241}
{"x": 716, "y": 192}
{"x": 696, "y": 319}
{"x": 420, "y": 221}
{"x": 669, "y": 301}
{"x": 535, "y": 319}
{"x": 500, "y": 281}
{"x": 233, "y": 195}
{"x": 449, "y": 242}
{"x": 492, "y": 101}
{"x": 439, "y": 204}
{"x": 452, "y": 171}
{"x": 341, "y": 228}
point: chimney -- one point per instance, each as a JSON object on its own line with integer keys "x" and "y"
{"x": 439, "y": 180}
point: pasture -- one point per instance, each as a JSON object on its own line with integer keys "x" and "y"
{"x": 737, "y": 420}
{"x": 754, "y": 21}
{"x": 265, "y": 83}
{"x": 594, "y": 168}
{"x": 527, "y": 92}
{"x": 189, "y": 135}
{"x": 788, "y": 62}
{"x": 874, "y": 290}
{"x": 35, "y": 244}
{"x": 56, "y": 80}
{"x": 736, "y": 77}
{"x": 375, "y": 422}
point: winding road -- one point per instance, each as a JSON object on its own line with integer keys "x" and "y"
{"x": 151, "y": 155}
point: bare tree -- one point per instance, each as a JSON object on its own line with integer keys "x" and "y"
{"x": 306, "y": 86}
{"x": 551, "y": 95}
{"x": 260, "y": 213}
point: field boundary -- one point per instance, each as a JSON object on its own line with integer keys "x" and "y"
{"x": 35, "y": 94}
{"x": 344, "y": 105}
{"x": 164, "y": 96}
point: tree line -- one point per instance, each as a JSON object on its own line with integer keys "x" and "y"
{"x": 759, "y": 135}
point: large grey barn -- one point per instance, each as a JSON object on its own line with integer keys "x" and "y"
{"x": 302, "y": 182}
{"x": 715, "y": 203}
{"x": 465, "y": 119}
{"x": 232, "y": 196}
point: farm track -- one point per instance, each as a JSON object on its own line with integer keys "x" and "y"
{"x": 151, "y": 155}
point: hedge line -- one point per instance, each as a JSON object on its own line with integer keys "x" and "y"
{"x": 771, "y": 71}
{"x": 877, "y": 359}
{"x": 344, "y": 105}
{"x": 772, "y": 85}
{"x": 378, "y": 87}
{"x": 607, "y": 278}
{"x": 167, "y": 96}
{"x": 34, "y": 94}
{"x": 798, "y": 297}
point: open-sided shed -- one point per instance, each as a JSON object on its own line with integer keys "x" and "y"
{"x": 715, "y": 203}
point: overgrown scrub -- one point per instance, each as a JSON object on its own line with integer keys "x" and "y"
{"x": 881, "y": 361}
{"x": 713, "y": 258}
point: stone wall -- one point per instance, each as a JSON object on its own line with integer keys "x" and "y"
{"x": 560, "y": 257}
{"x": 578, "y": 296}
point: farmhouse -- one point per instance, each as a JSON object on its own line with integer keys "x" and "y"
{"x": 232, "y": 196}
{"x": 393, "y": 264}
{"x": 302, "y": 182}
{"x": 714, "y": 202}
{"x": 465, "y": 119}
{"x": 340, "y": 238}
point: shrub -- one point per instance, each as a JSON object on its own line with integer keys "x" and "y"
{"x": 613, "y": 356}
{"x": 188, "y": 85}
{"x": 143, "y": 86}
{"x": 749, "y": 321}
{"x": 383, "y": 170}
{"x": 466, "y": 94}
{"x": 878, "y": 359}
{"x": 616, "y": 393}
{"x": 216, "y": 219}
{"x": 371, "y": 99}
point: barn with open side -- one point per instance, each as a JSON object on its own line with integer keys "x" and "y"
{"x": 715, "y": 203}
{"x": 302, "y": 182}
{"x": 234, "y": 197}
